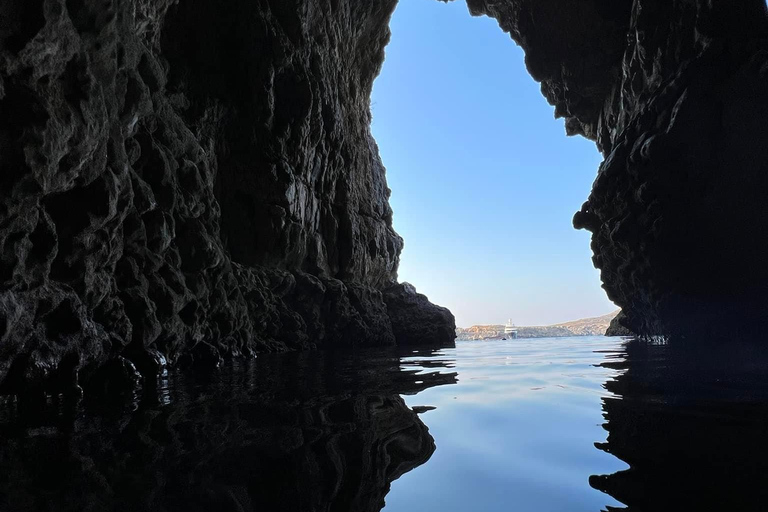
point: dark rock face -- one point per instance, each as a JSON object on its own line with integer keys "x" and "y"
{"x": 416, "y": 320}
{"x": 678, "y": 112}
{"x": 192, "y": 180}
{"x": 674, "y": 94}
{"x": 616, "y": 327}
{"x": 187, "y": 179}
{"x": 678, "y": 202}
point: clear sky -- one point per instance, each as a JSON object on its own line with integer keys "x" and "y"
{"x": 484, "y": 181}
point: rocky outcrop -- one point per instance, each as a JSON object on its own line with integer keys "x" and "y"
{"x": 416, "y": 321}
{"x": 616, "y": 328}
{"x": 191, "y": 180}
{"x": 674, "y": 95}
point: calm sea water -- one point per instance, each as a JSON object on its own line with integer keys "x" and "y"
{"x": 517, "y": 431}
{"x": 567, "y": 424}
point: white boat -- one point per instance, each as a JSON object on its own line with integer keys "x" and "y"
{"x": 510, "y": 331}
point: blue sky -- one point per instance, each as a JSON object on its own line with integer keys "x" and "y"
{"x": 484, "y": 181}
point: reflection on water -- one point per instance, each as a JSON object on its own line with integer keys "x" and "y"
{"x": 515, "y": 424}
{"x": 517, "y": 432}
{"x": 315, "y": 432}
{"x": 692, "y": 422}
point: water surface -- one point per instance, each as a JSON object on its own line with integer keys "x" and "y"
{"x": 567, "y": 424}
{"x": 517, "y": 432}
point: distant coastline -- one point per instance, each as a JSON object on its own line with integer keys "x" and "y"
{"x": 596, "y": 326}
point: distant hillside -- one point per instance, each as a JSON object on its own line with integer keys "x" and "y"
{"x": 584, "y": 327}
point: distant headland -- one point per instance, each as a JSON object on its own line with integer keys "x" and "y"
{"x": 596, "y": 326}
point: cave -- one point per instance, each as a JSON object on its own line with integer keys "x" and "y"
{"x": 183, "y": 182}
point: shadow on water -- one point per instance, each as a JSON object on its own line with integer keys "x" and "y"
{"x": 692, "y": 423}
{"x": 298, "y": 432}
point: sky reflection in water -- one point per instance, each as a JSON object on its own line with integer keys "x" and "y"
{"x": 523, "y": 425}
{"x": 518, "y": 430}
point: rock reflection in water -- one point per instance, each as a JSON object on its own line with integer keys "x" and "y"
{"x": 301, "y": 432}
{"x": 692, "y": 423}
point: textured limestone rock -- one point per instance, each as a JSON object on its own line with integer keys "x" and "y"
{"x": 189, "y": 180}
{"x": 674, "y": 94}
{"x": 679, "y": 201}
{"x": 616, "y": 327}
{"x": 194, "y": 179}
{"x": 416, "y": 320}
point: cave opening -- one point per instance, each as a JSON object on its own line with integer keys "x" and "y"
{"x": 484, "y": 180}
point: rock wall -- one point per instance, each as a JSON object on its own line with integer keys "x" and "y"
{"x": 674, "y": 94}
{"x": 616, "y": 328}
{"x": 180, "y": 181}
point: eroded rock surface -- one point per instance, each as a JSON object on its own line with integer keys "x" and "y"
{"x": 416, "y": 320}
{"x": 674, "y": 94}
{"x": 616, "y": 328}
{"x": 193, "y": 179}
{"x": 190, "y": 180}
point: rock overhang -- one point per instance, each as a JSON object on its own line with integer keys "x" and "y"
{"x": 192, "y": 179}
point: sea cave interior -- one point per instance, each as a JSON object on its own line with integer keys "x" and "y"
{"x": 200, "y": 305}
